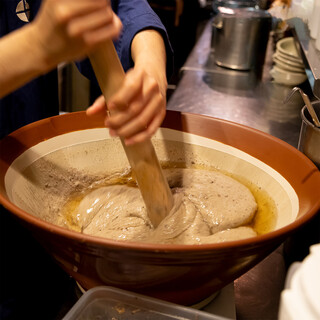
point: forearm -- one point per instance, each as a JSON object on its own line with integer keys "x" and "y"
{"x": 149, "y": 53}
{"x": 139, "y": 106}
{"x": 20, "y": 60}
{"x": 63, "y": 30}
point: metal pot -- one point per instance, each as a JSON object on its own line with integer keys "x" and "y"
{"x": 240, "y": 37}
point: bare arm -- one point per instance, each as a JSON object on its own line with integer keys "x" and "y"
{"x": 149, "y": 53}
{"x": 20, "y": 60}
{"x": 140, "y": 104}
{"x": 63, "y": 30}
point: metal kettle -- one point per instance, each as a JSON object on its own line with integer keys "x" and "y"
{"x": 240, "y": 37}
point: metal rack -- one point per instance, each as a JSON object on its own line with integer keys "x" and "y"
{"x": 309, "y": 53}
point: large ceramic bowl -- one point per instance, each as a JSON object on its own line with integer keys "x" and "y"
{"x": 185, "y": 274}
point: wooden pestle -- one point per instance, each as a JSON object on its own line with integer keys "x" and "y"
{"x": 141, "y": 156}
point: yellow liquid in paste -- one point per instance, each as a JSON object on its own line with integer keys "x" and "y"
{"x": 264, "y": 220}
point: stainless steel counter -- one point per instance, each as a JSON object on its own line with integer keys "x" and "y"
{"x": 249, "y": 98}
{"x": 252, "y": 99}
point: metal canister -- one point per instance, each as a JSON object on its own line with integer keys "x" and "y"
{"x": 309, "y": 139}
{"x": 240, "y": 37}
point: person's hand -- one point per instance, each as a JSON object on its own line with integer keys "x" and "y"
{"x": 67, "y": 30}
{"x": 137, "y": 109}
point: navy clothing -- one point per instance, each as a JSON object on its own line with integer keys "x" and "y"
{"x": 32, "y": 286}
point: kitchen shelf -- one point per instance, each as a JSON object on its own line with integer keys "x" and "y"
{"x": 309, "y": 53}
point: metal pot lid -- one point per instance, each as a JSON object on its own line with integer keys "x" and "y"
{"x": 236, "y": 3}
{"x": 245, "y": 13}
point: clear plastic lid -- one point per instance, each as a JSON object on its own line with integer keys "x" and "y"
{"x": 105, "y": 303}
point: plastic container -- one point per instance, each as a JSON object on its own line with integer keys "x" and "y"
{"x": 105, "y": 303}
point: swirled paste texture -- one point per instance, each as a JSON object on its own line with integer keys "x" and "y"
{"x": 209, "y": 207}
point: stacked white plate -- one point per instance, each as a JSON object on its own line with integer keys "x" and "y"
{"x": 288, "y": 66}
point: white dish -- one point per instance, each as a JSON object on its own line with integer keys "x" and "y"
{"x": 287, "y": 77}
{"x": 289, "y": 62}
{"x": 287, "y": 47}
{"x": 286, "y": 66}
{"x": 287, "y": 57}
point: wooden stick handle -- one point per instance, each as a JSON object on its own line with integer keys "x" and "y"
{"x": 142, "y": 156}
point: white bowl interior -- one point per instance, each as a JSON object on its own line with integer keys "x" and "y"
{"x": 90, "y": 153}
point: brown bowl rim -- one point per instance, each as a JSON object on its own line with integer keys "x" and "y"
{"x": 141, "y": 246}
